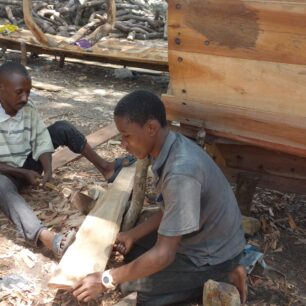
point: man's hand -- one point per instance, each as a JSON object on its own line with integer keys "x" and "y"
{"x": 46, "y": 161}
{"x": 32, "y": 177}
{"x": 124, "y": 242}
{"x": 46, "y": 177}
{"x": 89, "y": 287}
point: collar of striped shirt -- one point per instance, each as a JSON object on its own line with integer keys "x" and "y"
{"x": 4, "y": 116}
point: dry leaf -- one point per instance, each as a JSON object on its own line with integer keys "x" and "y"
{"x": 292, "y": 223}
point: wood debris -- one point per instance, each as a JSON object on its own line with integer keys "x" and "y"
{"x": 93, "y": 19}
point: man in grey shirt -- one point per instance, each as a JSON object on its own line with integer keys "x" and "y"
{"x": 196, "y": 236}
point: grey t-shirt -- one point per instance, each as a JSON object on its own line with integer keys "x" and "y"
{"x": 197, "y": 203}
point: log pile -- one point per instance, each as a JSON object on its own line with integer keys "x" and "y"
{"x": 90, "y": 20}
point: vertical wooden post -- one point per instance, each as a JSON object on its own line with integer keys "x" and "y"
{"x": 138, "y": 196}
{"x": 62, "y": 61}
{"x": 246, "y": 186}
{"x": 2, "y": 51}
{"x": 23, "y": 57}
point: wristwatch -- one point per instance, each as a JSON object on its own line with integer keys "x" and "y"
{"x": 107, "y": 280}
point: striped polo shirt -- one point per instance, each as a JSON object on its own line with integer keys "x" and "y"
{"x": 21, "y": 135}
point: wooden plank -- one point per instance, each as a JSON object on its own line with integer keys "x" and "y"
{"x": 259, "y": 160}
{"x": 145, "y": 54}
{"x": 64, "y": 156}
{"x": 46, "y": 86}
{"x": 264, "y": 129}
{"x": 273, "y": 182}
{"x": 250, "y": 29}
{"x": 276, "y": 170}
{"x": 94, "y": 241}
{"x": 257, "y": 85}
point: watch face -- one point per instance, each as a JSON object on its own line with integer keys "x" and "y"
{"x": 106, "y": 279}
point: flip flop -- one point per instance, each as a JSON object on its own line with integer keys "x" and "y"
{"x": 59, "y": 246}
{"x": 119, "y": 164}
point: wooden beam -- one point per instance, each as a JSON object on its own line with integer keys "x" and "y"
{"x": 273, "y": 131}
{"x": 94, "y": 241}
{"x": 152, "y": 55}
{"x": 65, "y": 156}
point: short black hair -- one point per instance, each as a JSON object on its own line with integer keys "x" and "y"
{"x": 13, "y": 67}
{"x": 141, "y": 106}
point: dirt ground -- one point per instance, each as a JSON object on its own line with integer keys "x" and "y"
{"x": 87, "y": 99}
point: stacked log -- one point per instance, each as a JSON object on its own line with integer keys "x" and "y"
{"x": 92, "y": 19}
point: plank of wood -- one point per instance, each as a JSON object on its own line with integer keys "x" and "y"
{"x": 256, "y": 85}
{"x": 251, "y": 158}
{"x": 143, "y": 54}
{"x": 274, "y": 182}
{"x": 262, "y": 30}
{"x": 46, "y": 86}
{"x": 260, "y": 128}
{"x": 94, "y": 241}
{"x": 64, "y": 156}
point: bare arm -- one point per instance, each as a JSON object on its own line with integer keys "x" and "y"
{"x": 147, "y": 227}
{"x": 30, "y": 176}
{"x": 154, "y": 260}
{"x": 46, "y": 161}
{"x": 13, "y": 171}
{"x": 125, "y": 240}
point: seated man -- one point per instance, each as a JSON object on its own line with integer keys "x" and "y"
{"x": 25, "y": 152}
{"x": 199, "y": 232}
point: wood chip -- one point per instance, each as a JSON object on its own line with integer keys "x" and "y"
{"x": 29, "y": 258}
{"x": 292, "y": 223}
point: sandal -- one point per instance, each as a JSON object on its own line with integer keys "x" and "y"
{"x": 119, "y": 164}
{"x": 61, "y": 243}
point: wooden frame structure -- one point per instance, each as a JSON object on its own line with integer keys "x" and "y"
{"x": 238, "y": 72}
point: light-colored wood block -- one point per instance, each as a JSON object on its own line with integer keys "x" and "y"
{"x": 94, "y": 241}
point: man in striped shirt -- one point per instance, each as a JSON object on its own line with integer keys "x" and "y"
{"x": 26, "y": 148}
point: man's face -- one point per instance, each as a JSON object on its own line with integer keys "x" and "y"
{"x": 137, "y": 140}
{"x": 14, "y": 92}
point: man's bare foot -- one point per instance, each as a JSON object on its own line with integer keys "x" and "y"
{"x": 46, "y": 237}
{"x": 108, "y": 169}
{"x": 238, "y": 278}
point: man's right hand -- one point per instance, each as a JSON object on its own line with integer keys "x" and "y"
{"x": 32, "y": 177}
{"x": 124, "y": 242}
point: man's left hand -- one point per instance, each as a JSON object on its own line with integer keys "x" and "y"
{"x": 89, "y": 287}
{"x": 46, "y": 177}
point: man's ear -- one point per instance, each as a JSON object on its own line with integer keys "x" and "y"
{"x": 152, "y": 127}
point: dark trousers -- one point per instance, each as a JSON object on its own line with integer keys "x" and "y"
{"x": 180, "y": 282}
{"x": 13, "y": 205}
